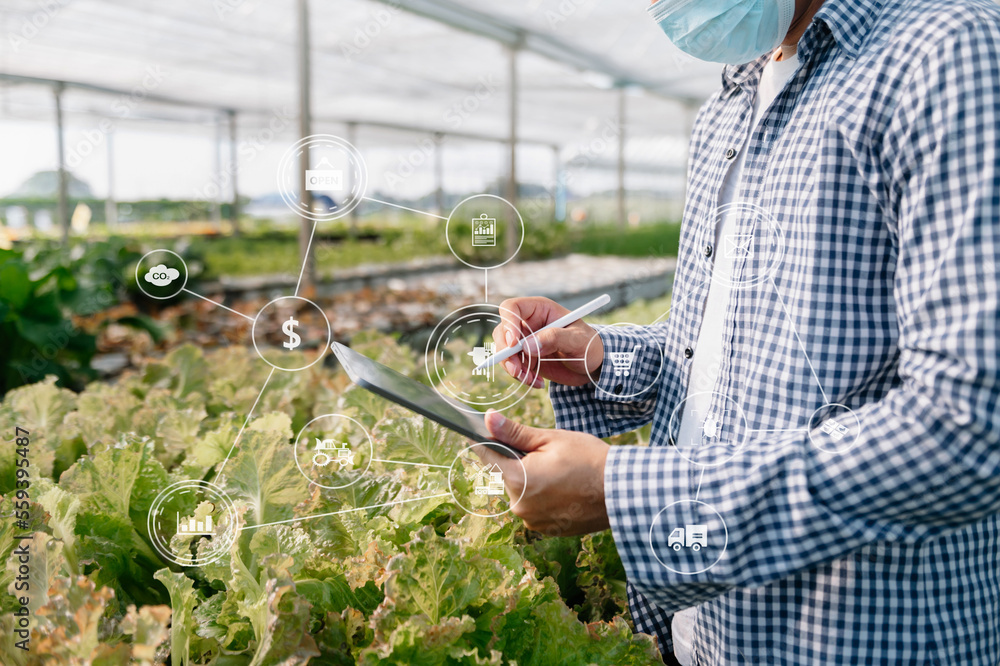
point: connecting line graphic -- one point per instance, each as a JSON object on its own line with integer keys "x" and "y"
{"x": 337, "y": 513}
{"x": 412, "y": 210}
{"x": 673, "y": 302}
{"x": 305, "y": 258}
{"x": 404, "y": 462}
{"x": 217, "y": 303}
{"x": 486, "y": 285}
{"x": 791, "y": 323}
{"x": 240, "y": 433}
{"x": 778, "y": 430}
{"x": 700, "y": 478}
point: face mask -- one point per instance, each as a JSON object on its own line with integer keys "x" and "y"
{"x": 729, "y": 31}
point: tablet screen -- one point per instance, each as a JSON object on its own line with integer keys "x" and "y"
{"x": 411, "y": 394}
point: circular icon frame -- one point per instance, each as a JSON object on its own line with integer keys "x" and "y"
{"x": 625, "y": 373}
{"x": 677, "y": 417}
{"x": 437, "y": 377}
{"x": 360, "y": 473}
{"x": 218, "y": 497}
{"x": 139, "y": 280}
{"x": 706, "y": 236}
{"x": 447, "y": 228}
{"x": 322, "y": 350}
{"x": 490, "y": 445}
{"x": 289, "y": 173}
{"x": 816, "y": 425}
{"x": 657, "y": 518}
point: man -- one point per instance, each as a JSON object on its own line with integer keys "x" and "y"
{"x": 840, "y": 481}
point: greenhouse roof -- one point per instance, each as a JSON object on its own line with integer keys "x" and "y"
{"x": 436, "y": 65}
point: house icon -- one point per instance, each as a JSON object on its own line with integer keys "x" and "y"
{"x": 488, "y": 480}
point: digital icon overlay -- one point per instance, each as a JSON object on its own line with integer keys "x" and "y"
{"x": 488, "y": 480}
{"x": 460, "y": 342}
{"x": 484, "y": 231}
{"x": 192, "y": 523}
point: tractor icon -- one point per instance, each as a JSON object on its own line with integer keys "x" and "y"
{"x": 327, "y": 452}
{"x": 693, "y": 537}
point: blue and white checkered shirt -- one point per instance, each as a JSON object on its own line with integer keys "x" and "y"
{"x": 866, "y": 532}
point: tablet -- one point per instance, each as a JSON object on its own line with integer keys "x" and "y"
{"x": 420, "y": 398}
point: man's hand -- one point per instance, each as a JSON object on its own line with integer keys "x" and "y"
{"x": 564, "y": 491}
{"x": 576, "y": 341}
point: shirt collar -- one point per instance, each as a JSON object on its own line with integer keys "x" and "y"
{"x": 847, "y": 21}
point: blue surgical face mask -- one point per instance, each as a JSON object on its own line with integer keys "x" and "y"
{"x": 729, "y": 31}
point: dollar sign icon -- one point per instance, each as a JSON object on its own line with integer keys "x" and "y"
{"x": 293, "y": 338}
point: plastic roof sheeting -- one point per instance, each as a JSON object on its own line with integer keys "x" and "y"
{"x": 372, "y": 62}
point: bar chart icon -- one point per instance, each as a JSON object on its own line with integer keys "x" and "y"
{"x": 484, "y": 231}
{"x": 193, "y": 526}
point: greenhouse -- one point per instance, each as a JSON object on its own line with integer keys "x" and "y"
{"x": 536, "y": 332}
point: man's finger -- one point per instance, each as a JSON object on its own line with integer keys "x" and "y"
{"x": 550, "y": 342}
{"x": 517, "y": 435}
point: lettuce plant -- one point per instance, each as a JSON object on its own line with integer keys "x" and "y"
{"x": 374, "y": 581}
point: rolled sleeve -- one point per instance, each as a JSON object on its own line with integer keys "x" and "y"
{"x": 624, "y": 397}
{"x": 926, "y": 457}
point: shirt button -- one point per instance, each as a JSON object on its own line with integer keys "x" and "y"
{"x": 688, "y": 353}
{"x": 618, "y": 389}
{"x": 731, "y": 153}
{"x": 708, "y": 250}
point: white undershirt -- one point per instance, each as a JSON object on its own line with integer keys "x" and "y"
{"x": 708, "y": 351}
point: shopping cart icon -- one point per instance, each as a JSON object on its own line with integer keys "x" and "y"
{"x": 622, "y": 361}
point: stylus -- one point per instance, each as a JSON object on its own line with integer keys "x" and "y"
{"x": 562, "y": 322}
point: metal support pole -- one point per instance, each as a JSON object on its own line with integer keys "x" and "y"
{"x": 514, "y": 237}
{"x": 217, "y": 155}
{"x": 62, "y": 211}
{"x": 305, "y": 130}
{"x": 352, "y": 138}
{"x": 622, "y": 214}
{"x": 558, "y": 193}
{"x": 110, "y": 205}
{"x": 439, "y": 172}
{"x": 234, "y": 207}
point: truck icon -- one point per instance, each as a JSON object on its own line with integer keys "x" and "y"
{"x": 692, "y": 536}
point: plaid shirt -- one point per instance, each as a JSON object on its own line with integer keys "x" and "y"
{"x": 878, "y": 290}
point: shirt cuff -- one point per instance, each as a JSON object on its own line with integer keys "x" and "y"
{"x": 632, "y": 364}
{"x": 649, "y": 494}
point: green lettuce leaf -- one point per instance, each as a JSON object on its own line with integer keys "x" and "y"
{"x": 183, "y": 599}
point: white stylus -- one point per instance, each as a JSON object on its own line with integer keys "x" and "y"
{"x": 563, "y": 321}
